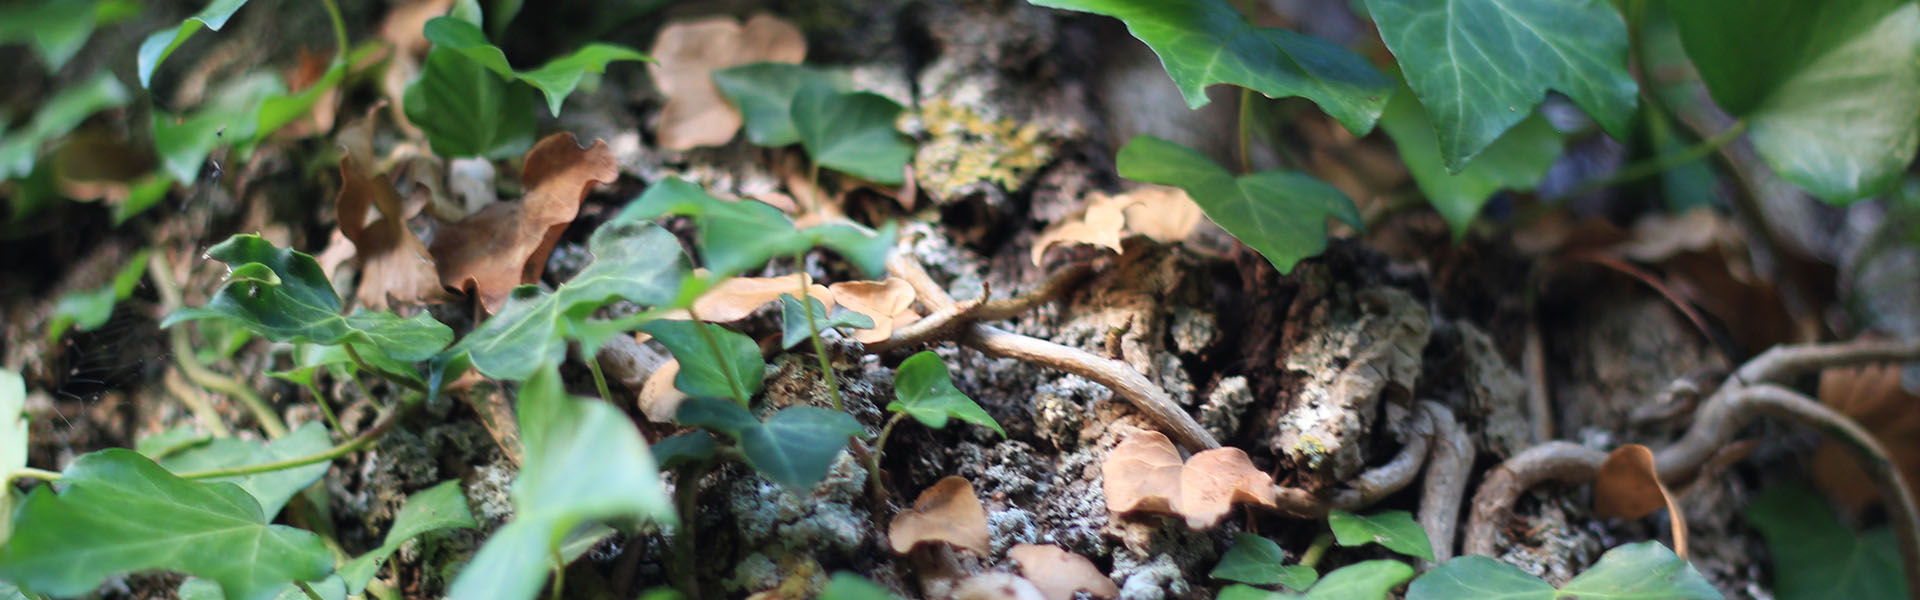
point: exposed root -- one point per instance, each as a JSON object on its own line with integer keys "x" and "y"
{"x": 1118, "y": 376}
{"x": 943, "y": 324}
{"x": 1448, "y": 464}
{"x": 1374, "y": 484}
{"x": 1751, "y": 391}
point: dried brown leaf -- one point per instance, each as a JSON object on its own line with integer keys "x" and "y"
{"x": 1100, "y": 225}
{"x": 997, "y": 586}
{"x": 947, "y": 512}
{"x": 659, "y": 399}
{"x": 95, "y": 164}
{"x": 1163, "y": 213}
{"x": 686, "y": 56}
{"x": 506, "y": 244}
{"x": 738, "y": 298}
{"x": 1144, "y": 474}
{"x": 1059, "y": 573}
{"x": 889, "y": 303}
{"x": 1628, "y": 487}
{"x": 394, "y": 265}
{"x": 1874, "y": 397}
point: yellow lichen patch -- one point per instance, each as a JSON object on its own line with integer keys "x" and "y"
{"x": 964, "y": 147}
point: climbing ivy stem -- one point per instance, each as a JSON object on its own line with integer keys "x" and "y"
{"x": 40, "y": 474}
{"x": 189, "y": 362}
{"x": 304, "y": 588}
{"x": 366, "y": 438}
{"x": 873, "y": 460}
{"x": 1659, "y": 164}
{"x": 339, "y": 39}
{"x": 686, "y": 498}
{"x": 599, "y": 378}
{"x": 395, "y": 378}
{"x": 1246, "y": 131}
{"x": 1316, "y": 550}
{"x": 819, "y": 346}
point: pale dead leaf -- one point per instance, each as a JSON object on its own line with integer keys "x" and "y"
{"x": 1100, "y": 225}
{"x": 1658, "y": 237}
{"x": 1163, "y": 213}
{"x": 739, "y": 297}
{"x": 308, "y": 68}
{"x": 95, "y": 164}
{"x": 659, "y": 399}
{"x": 405, "y": 25}
{"x": 997, "y": 586}
{"x": 1628, "y": 487}
{"x": 1872, "y": 396}
{"x": 1144, "y": 474}
{"x": 889, "y": 303}
{"x": 394, "y": 265}
{"x": 947, "y": 512}
{"x": 1059, "y": 573}
{"x": 686, "y": 54}
{"x": 506, "y": 244}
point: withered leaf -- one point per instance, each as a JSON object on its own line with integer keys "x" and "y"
{"x": 997, "y": 586}
{"x": 1163, "y": 213}
{"x": 506, "y": 244}
{"x": 1100, "y": 225}
{"x": 1144, "y": 474}
{"x": 1059, "y": 573}
{"x": 1628, "y": 487}
{"x": 738, "y": 298}
{"x": 889, "y": 303}
{"x": 659, "y": 399}
{"x": 947, "y": 512}
{"x": 1872, "y": 396}
{"x": 394, "y": 265}
{"x": 688, "y": 53}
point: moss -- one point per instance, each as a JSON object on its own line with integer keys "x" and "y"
{"x": 1312, "y": 450}
{"x": 964, "y": 148}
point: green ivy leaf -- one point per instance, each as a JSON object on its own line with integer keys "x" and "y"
{"x": 1260, "y": 561}
{"x": 1478, "y": 577}
{"x": 925, "y": 391}
{"x": 271, "y": 489}
{"x": 1516, "y": 161}
{"x": 19, "y": 149}
{"x": 1642, "y": 571}
{"x": 764, "y": 93}
{"x": 467, "y": 110}
{"x": 304, "y": 308}
{"x": 632, "y": 261}
{"x": 794, "y": 325}
{"x": 585, "y": 463}
{"x": 136, "y": 516}
{"x": 439, "y": 507}
{"x": 331, "y": 588}
{"x": 733, "y": 370}
{"x": 735, "y": 236}
{"x": 848, "y": 586}
{"x": 1481, "y": 66}
{"x": 556, "y": 79}
{"x": 1394, "y": 529}
{"x": 1833, "y": 96}
{"x": 165, "y": 443}
{"x": 183, "y": 142}
{"x": 1204, "y": 42}
{"x": 795, "y": 447}
{"x": 692, "y": 446}
{"x": 1281, "y": 214}
{"x": 1370, "y": 580}
{"x": 851, "y": 132}
{"x": 89, "y": 309}
{"x": 1815, "y": 556}
{"x": 156, "y": 47}
{"x": 56, "y": 29}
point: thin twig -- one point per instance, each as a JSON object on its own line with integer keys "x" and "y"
{"x": 197, "y": 403}
{"x": 363, "y": 440}
{"x": 1370, "y": 486}
{"x": 189, "y": 363}
{"x": 943, "y": 324}
{"x": 1006, "y": 308}
{"x": 1449, "y": 463}
{"x": 1118, "y": 376}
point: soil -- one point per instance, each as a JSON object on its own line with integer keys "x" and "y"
{"x": 1313, "y": 372}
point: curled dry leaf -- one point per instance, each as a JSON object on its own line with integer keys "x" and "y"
{"x": 889, "y": 303}
{"x": 1628, "y": 487}
{"x": 947, "y": 512}
{"x": 1100, "y": 225}
{"x": 506, "y": 244}
{"x": 738, "y": 298}
{"x": 1144, "y": 474}
{"x": 659, "y": 399}
{"x": 686, "y": 56}
{"x": 998, "y": 586}
{"x": 1059, "y": 573}
{"x": 1874, "y": 397}
{"x": 394, "y": 265}
{"x": 1163, "y": 213}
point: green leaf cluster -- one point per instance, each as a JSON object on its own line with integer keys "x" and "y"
{"x": 736, "y": 236}
{"x": 161, "y": 44}
{"x": 465, "y": 98}
{"x": 1394, "y": 529}
{"x": 585, "y": 463}
{"x": 795, "y": 326}
{"x": 848, "y": 131}
{"x": 925, "y": 391}
{"x": 57, "y": 29}
{"x": 90, "y": 309}
{"x": 794, "y": 447}
{"x": 1281, "y": 214}
{"x": 1815, "y": 556}
{"x": 715, "y": 362}
{"x": 1641, "y": 571}
{"x": 1370, "y": 580}
{"x": 1256, "y": 560}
